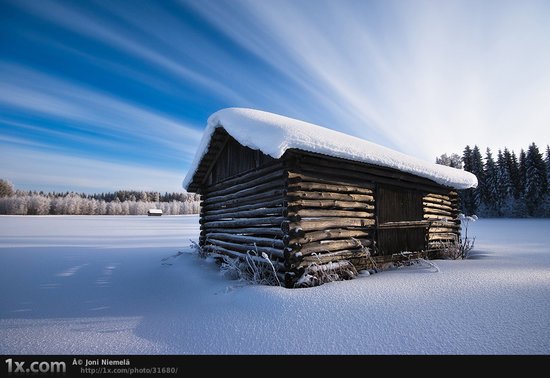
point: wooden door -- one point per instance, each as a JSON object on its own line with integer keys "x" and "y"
{"x": 400, "y": 225}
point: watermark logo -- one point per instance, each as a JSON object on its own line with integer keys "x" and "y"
{"x": 18, "y": 367}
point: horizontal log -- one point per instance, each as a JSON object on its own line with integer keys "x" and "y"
{"x": 437, "y": 217}
{"x": 223, "y": 209}
{"x": 328, "y": 204}
{"x": 271, "y": 196}
{"x": 330, "y": 257}
{"x": 356, "y": 178}
{"x": 339, "y": 174}
{"x": 297, "y": 177}
{"x": 327, "y": 223}
{"x": 271, "y": 252}
{"x": 314, "y": 236}
{"x": 436, "y": 230}
{"x": 442, "y": 237}
{"x": 437, "y": 201}
{"x": 299, "y": 181}
{"x": 331, "y": 246}
{"x": 404, "y": 224}
{"x": 330, "y": 196}
{"x": 451, "y": 214}
{"x": 275, "y": 176}
{"x": 437, "y": 206}
{"x": 366, "y": 172}
{"x": 247, "y": 239}
{"x": 247, "y": 176}
{"x": 270, "y": 211}
{"x": 248, "y": 192}
{"x": 316, "y": 213}
{"x": 332, "y": 178}
{"x": 215, "y": 249}
{"x": 256, "y": 231}
{"x": 294, "y": 217}
{"x": 243, "y": 222}
{"x": 438, "y": 196}
{"x": 452, "y": 224}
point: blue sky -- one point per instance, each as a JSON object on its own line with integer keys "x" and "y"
{"x": 106, "y": 95}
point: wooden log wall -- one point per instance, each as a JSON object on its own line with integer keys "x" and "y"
{"x": 442, "y": 212}
{"x": 331, "y": 213}
{"x": 305, "y": 211}
{"x": 246, "y": 213}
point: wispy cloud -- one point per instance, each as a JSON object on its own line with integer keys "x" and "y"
{"x": 429, "y": 76}
{"x": 53, "y": 171}
{"x": 141, "y": 45}
{"x": 39, "y": 93}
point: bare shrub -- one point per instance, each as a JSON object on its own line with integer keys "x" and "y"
{"x": 466, "y": 244}
{"x": 449, "y": 249}
{"x": 318, "y": 274}
{"x": 459, "y": 248}
{"x": 253, "y": 267}
{"x": 201, "y": 252}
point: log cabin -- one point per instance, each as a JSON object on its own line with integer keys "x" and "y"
{"x": 315, "y": 199}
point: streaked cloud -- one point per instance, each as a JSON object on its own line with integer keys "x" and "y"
{"x": 131, "y": 84}
{"x": 53, "y": 171}
{"x": 430, "y": 77}
{"x": 36, "y": 92}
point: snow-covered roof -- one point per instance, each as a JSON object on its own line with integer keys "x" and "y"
{"x": 273, "y": 134}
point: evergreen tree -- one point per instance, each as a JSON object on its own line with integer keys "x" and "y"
{"x": 478, "y": 170}
{"x": 467, "y": 199}
{"x": 547, "y": 202}
{"x": 520, "y": 209}
{"x": 504, "y": 197}
{"x": 522, "y": 172}
{"x": 512, "y": 166}
{"x": 489, "y": 192}
{"x": 467, "y": 159}
{"x": 536, "y": 180}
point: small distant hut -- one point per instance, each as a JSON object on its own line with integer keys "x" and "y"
{"x": 312, "y": 198}
{"x": 154, "y": 212}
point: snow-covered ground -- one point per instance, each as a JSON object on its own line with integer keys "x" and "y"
{"x": 98, "y": 284}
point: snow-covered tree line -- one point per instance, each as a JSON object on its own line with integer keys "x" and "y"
{"x": 509, "y": 185}
{"x": 17, "y": 202}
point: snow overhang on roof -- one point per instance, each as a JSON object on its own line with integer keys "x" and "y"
{"x": 273, "y": 134}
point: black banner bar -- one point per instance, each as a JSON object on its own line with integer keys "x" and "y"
{"x": 182, "y": 365}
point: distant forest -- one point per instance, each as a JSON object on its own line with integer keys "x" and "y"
{"x": 123, "y": 202}
{"x": 509, "y": 185}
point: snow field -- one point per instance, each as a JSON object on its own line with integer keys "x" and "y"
{"x": 111, "y": 284}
